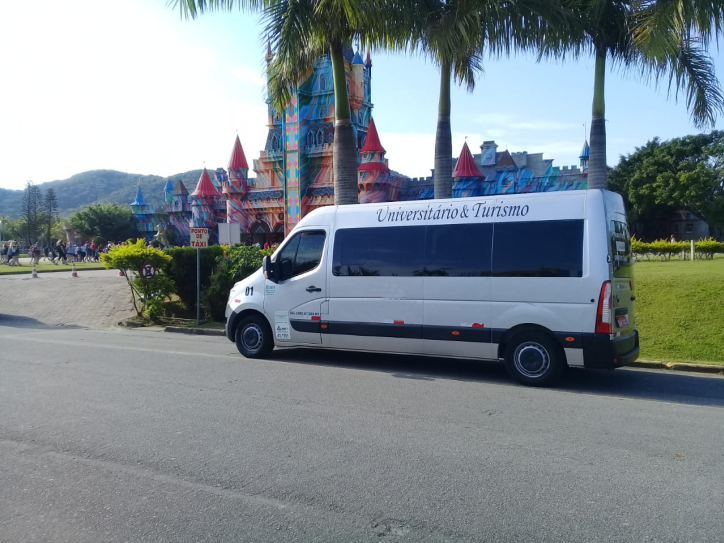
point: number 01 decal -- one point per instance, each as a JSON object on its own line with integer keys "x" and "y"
{"x": 249, "y": 291}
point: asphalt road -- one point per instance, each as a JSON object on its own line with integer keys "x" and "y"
{"x": 148, "y": 436}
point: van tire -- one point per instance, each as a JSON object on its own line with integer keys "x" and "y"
{"x": 254, "y": 337}
{"x": 534, "y": 358}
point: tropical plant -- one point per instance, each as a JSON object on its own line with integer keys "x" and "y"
{"x": 456, "y": 33}
{"x": 659, "y": 39}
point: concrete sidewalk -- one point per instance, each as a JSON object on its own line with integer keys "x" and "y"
{"x": 95, "y": 299}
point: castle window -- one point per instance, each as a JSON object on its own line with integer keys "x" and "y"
{"x": 320, "y": 137}
{"x": 274, "y": 143}
{"x": 310, "y": 139}
{"x": 323, "y": 82}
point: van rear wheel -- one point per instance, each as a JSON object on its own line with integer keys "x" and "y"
{"x": 534, "y": 359}
{"x": 254, "y": 337}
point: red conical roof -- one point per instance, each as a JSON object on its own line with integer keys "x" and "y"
{"x": 237, "y": 160}
{"x": 372, "y": 142}
{"x": 205, "y": 186}
{"x": 465, "y": 166}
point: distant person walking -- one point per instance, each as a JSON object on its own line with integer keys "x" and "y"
{"x": 673, "y": 238}
{"x": 60, "y": 247}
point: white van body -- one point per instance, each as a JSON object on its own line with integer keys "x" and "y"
{"x": 541, "y": 280}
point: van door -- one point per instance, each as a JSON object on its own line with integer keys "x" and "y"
{"x": 375, "y": 294}
{"x": 622, "y": 280}
{"x": 458, "y": 320}
{"x": 293, "y": 304}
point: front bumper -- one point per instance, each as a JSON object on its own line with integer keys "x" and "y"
{"x": 602, "y": 352}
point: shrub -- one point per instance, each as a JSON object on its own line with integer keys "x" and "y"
{"x": 240, "y": 262}
{"x": 706, "y": 248}
{"x": 130, "y": 258}
{"x": 182, "y": 269}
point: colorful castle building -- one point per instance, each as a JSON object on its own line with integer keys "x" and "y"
{"x": 294, "y": 170}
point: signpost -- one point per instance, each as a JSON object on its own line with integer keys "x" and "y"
{"x": 199, "y": 239}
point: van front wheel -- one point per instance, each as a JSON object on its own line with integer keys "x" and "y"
{"x": 254, "y": 337}
{"x": 534, "y": 359}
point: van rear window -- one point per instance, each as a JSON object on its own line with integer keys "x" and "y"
{"x": 620, "y": 249}
{"x": 538, "y": 249}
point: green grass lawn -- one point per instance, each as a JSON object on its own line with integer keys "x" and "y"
{"x": 680, "y": 310}
{"x": 47, "y": 266}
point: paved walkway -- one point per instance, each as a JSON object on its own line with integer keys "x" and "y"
{"x": 96, "y": 299}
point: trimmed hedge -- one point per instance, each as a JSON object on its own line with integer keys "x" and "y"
{"x": 663, "y": 249}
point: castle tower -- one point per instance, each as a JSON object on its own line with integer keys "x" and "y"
{"x": 357, "y": 83}
{"x": 467, "y": 178}
{"x": 202, "y": 204}
{"x": 143, "y": 213}
{"x": 584, "y": 156}
{"x": 236, "y": 188}
{"x": 373, "y": 175}
{"x": 180, "y": 213}
{"x": 168, "y": 194}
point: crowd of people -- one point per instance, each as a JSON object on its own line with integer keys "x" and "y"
{"x": 57, "y": 252}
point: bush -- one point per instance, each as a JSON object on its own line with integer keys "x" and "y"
{"x": 182, "y": 269}
{"x": 706, "y": 248}
{"x": 240, "y": 262}
{"x": 130, "y": 258}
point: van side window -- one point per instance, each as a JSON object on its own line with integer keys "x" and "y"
{"x": 538, "y": 249}
{"x": 458, "y": 250}
{"x": 301, "y": 254}
{"x": 379, "y": 252}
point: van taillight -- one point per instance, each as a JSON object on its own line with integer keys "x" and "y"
{"x": 603, "y": 315}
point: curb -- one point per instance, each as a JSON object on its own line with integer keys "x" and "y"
{"x": 195, "y": 331}
{"x": 678, "y": 366}
{"x": 29, "y": 271}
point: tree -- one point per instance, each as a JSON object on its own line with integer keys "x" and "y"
{"x": 50, "y": 211}
{"x": 455, "y": 34}
{"x": 30, "y": 212}
{"x": 113, "y": 222}
{"x": 658, "y": 39}
{"x": 660, "y": 177}
{"x": 302, "y": 31}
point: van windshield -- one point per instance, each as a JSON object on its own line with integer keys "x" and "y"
{"x": 620, "y": 249}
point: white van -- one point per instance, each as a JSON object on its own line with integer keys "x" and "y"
{"x": 542, "y": 281}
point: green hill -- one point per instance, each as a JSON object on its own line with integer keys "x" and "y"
{"x": 99, "y": 186}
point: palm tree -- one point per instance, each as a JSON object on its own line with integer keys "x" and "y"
{"x": 302, "y": 31}
{"x": 641, "y": 35}
{"x": 456, "y": 33}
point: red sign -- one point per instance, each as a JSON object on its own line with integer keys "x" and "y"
{"x": 148, "y": 271}
{"x": 199, "y": 237}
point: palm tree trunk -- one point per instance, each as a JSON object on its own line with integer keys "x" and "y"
{"x": 345, "y": 146}
{"x": 443, "y": 138}
{"x": 597, "y": 169}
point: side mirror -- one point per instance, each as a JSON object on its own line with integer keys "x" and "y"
{"x": 268, "y": 268}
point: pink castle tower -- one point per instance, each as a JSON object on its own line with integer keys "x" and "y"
{"x": 202, "y": 204}
{"x": 374, "y": 182}
{"x": 236, "y": 188}
{"x": 467, "y": 178}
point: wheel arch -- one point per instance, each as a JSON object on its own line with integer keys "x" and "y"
{"x": 511, "y": 333}
{"x": 236, "y": 318}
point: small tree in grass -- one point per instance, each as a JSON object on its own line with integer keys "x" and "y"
{"x": 130, "y": 258}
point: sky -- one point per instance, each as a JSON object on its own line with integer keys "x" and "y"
{"x": 128, "y": 85}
